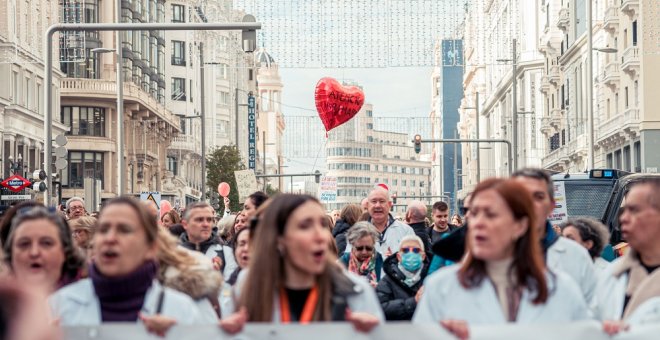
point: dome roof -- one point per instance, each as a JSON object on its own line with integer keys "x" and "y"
{"x": 262, "y": 58}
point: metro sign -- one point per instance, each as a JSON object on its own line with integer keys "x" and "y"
{"x": 16, "y": 183}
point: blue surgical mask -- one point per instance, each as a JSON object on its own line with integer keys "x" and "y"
{"x": 411, "y": 261}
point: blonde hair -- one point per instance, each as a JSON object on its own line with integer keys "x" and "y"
{"x": 170, "y": 254}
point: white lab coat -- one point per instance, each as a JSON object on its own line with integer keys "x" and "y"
{"x": 610, "y": 297}
{"x": 568, "y": 256}
{"x": 444, "y": 298}
{"x": 600, "y": 267}
{"x": 230, "y": 261}
{"x": 78, "y": 305}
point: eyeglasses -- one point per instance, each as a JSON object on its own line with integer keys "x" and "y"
{"x": 409, "y": 249}
{"x": 77, "y": 208}
{"x": 363, "y": 248}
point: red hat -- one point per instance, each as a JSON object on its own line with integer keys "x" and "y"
{"x": 383, "y": 185}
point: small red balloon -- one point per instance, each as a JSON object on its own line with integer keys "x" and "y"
{"x": 335, "y": 103}
{"x": 223, "y": 189}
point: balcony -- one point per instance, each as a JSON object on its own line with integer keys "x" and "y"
{"x": 610, "y": 75}
{"x": 630, "y": 60}
{"x": 545, "y": 85}
{"x": 557, "y": 159}
{"x": 564, "y": 19}
{"x": 556, "y": 118}
{"x": 611, "y": 22}
{"x": 550, "y": 41}
{"x": 623, "y": 126}
{"x": 96, "y": 89}
{"x": 630, "y": 7}
{"x": 187, "y": 143}
{"x": 554, "y": 75}
{"x": 546, "y": 128}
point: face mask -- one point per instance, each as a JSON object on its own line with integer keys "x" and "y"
{"x": 411, "y": 261}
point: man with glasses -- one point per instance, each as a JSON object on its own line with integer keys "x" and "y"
{"x": 202, "y": 236}
{"x": 629, "y": 292}
{"x": 75, "y": 208}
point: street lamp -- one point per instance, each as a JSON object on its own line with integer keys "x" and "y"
{"x": 121, "y": 190}
{"x": 16, "y": 167}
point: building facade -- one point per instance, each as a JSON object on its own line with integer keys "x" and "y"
{"x": 270, "y": 118}
{"x": 446, "y": 99}
{"x": 88, "y": 100}
{"x": 491, "y": 28}
{"x": 361, "y": 156}
{"x": 22, "y": 104}
{"x": 626, "y": 128}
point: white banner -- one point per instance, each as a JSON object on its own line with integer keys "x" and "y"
{"x": 246, "y": 182}
{"x": 328, "y": 189}
{"x": 591, "y": 330}
{"x": 560, "y": 213}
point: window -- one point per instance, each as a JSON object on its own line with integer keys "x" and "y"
{"x": 634, "y": 33}
{"x": 403, "y": 182}
{"x": 394, "y": 182}
{"x": 178, "y": 53}
{"x": 637, "y": 149}
{"x": 172, "y": 165}
{"x": 191, "y": 90}
{"x": 178, "y": 13}
{"x": 610, "y": 162}
{"x": 84, "y": 121}
{"x": 178, "y": 89}
{"x": 370, "y": 126}
{"x": 83, "y": 165}
{"x": 224, "y": 98}
{"x": 617, "y": 159}
{"x": 626, "y": 158}
{"x": 626, "y": 97}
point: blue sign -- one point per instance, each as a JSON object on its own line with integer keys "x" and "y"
{"x": 252, "y": 133}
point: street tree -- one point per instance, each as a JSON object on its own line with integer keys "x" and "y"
{"x": 221, "y": 164}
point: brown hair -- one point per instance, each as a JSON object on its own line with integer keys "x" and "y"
{"x": 266, "y": 274}
{"x": 176, "y": 219}
{"x": 440, "y": 206}
{"x": 350, "y": 213}
{"x": 364, "y": 217}
{"x": 527, "y": 263}
{"x": 148, "y": 222}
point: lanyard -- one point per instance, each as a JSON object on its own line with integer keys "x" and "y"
{"x": 308, "y": 309}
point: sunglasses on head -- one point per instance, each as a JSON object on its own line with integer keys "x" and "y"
{"x": 362, "y": 248}
{"x": 409, "y": 249}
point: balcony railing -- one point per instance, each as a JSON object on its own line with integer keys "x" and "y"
{"x": 622, "y": 122}
{"x": 630, "y": 59}
{"x": 611, "y": 22}
{"x": 186, "y": 143}
{"x": 95, "y": 88}
{"x": 610, "y": 75}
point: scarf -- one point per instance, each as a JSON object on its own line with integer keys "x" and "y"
{"x": 121, "y": 298}
{"x": 411, "y": 278}
{"x": 366, "y": 268}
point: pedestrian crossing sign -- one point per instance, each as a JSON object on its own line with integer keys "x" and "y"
{"x": 151, "y": 196}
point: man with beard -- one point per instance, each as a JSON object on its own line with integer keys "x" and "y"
{"x": 201, "y": 235}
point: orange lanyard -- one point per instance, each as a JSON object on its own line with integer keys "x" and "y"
{"x": 308, "y": 309}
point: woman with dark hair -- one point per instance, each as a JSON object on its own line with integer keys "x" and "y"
{"x": 292, "y": 275}
{"x": 39, "y": 250}
{"x": 503, "y": 278}
{"x": 592, "y": 235}
{"x": 253, "y": 203}
{"x": 348, "y": 216}
{"x": 123, "y": 276}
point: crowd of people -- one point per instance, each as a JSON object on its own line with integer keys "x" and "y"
{"x": 285, "y": 260}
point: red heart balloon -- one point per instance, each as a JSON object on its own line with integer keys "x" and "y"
{"x": 335, "y": 103}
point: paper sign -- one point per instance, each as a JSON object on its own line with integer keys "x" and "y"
{"x": 246, "y": 182}
{"x": 151, "y": 196}
{"x": 328, "y": 189}
{"x": 560, "y": 214}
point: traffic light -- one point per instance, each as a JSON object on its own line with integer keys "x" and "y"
{"x": 39, "y": 185}
{"x": 418, "y": 143}
{"x": 394, "y": 199}
{"x": 317, "y": 176}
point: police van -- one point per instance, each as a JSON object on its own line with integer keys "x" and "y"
{"x": 598, "y": 193}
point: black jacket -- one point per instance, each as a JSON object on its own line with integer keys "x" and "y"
{"x": 339, "y": 232}
{"x": 421, "y": 231}
{"x": 396, "y": 298}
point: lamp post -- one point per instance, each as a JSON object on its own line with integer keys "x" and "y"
{"x": 514, "y": 100}
{"x": 16, "y": 167}
{"x": 478, "y": 113}
{"x": 121, "y": 183}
